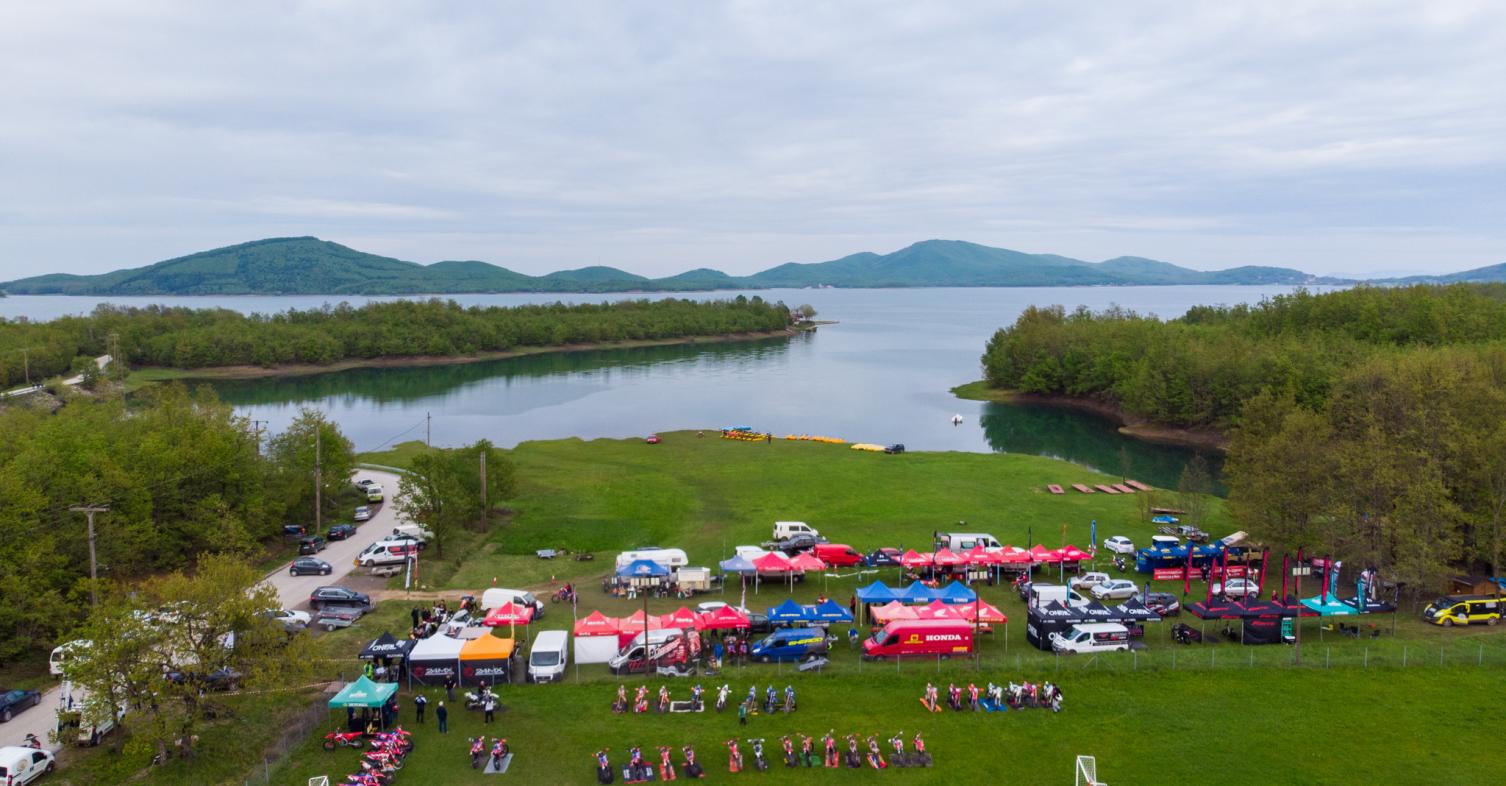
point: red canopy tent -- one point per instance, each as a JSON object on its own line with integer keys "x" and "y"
{"x": 681, "y": 618}
{"x": 1074, "y": 554}
{"x": 946, "y": 558}
{"x": 724, "y": 618}
{"x": 915, "y": 559}
{"x": 806, "y": 561}
{"x": 978, "y": 555}
{"x": 936, "y": 610}
{"x": 596, "y": 624}
{"x": 986, "y": 612}
{"x": 509, "y": 613}
{"x": 893, "y": 610}
{"x": 1014, "y": 555}
{"x": 1039, "y": 553}
{"x": 773, "y": 562}
{"x": 633, "y": 623}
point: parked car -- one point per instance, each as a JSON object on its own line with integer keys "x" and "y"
{"x": 14, "y": 700}
{"x": 895, "y": 448}
{"x": 887, "y": 557}
{"x": 337, "y": 596}
{"x": 293, "y": 531}
{"x": 794, "y": 544}
{"x": 652, "y": 439}
{"x": 1087, "y": 581}
{"x": 757, "y": 623}
{"x": 341, "y": 531}
{"x": 1119, "y": 544}
{"x": 373, "y": 493}
{"x": 1236, "y": 588}
{"x": 310, "y": 566}
{"x": 218, "y": 680}
{"x": 1118, "y": 589}
{"x": 362, "y": 513}
{"x": 1163, "y": 603}
{"x": 791, "y": 644}
{"x": 311, "y": 544}
{"x": 458, "y": 622}
{"x": 1192, "y": 533}
{"x": 292, "y": 621}
{"x": 838, "y": 555}
{"x": 20, "y": 766}
{"x": 1092, "y": 637}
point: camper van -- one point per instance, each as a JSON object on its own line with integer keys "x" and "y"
{"x": 666, "y": 647}
{"x": 908, "y": 638}
{"x": 963, "y": 541}
{"x": 672, "y": 559}
{"x": 1092, "y": 637}
{"x": 61, "y": 653}
{"x": 1041, "y": 594}
{"x": 549, "y": 656}
{"x": 387, "y": 552}
{"x": 496, "y": 597}
{"x": 789, "y": 529}
{"x": 1452, "y": 610}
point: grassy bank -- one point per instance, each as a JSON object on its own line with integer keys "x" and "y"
{"x": 1200, "y": 438}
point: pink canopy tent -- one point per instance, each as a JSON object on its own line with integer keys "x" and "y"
{"x": 509, "y": 613}
{"x": 915, "y": 559}
{"x": 893, "y": 610}
{"x": 1074, "y": 554}
{"x": 936, "y": 610}
{"x": 1039, "y": 553}
{"x": 985, "y": 611}
{"x": 1014, "y": 555}
{"x": 805, "y": 561}
{"x": 946, "y": 558}
{"x": 980, "y": 556}
{"x": 681, "y": 618}
{"x": 773, "y": 562}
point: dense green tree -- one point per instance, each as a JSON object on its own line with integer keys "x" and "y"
{"x": 443, "y": 490}
{"x": 293, "y": 459}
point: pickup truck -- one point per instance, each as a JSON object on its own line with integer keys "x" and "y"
{"x": 794, "y": 544}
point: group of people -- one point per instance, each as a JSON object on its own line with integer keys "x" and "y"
{"x": 993, "y": 697}
{"x": 638, "y": 769}
{"x": 429, "y": 621}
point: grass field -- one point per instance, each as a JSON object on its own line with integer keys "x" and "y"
{"x": 1406, "y": 707}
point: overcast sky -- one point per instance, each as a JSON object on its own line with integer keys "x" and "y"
{"x": 1353, "y": 138}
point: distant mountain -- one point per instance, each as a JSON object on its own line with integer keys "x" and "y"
{"x": 1479, "y": 275}
{"x": 307, "y": 265}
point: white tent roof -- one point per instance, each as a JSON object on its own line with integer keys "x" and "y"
{"x": 436, "y": 647}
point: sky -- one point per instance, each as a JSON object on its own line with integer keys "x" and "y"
{"x": 1349, "y": 138}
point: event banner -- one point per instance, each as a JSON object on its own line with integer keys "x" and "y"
{"x": 1214, "y": 572}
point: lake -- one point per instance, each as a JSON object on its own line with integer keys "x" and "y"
{"x": 881, "y": 374}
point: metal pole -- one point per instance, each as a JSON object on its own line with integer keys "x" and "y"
{"x": 318, "y": 475}
{"x": 89, "y": 511}
{"x": 426, "y": 430}
{"x": 483, "y": 485}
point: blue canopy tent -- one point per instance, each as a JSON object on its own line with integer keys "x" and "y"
{"x": 916, "y": 593}
{"x": 829, "y": 611}
{"x": 738, "y": 564}
{"x": 788, "y": 611}
{"x": 877, "y": 592}
{"x": 643, "y": 569}
{"x": 954, "y": 593}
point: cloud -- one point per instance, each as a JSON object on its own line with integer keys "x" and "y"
{"x": 742, "y": 134}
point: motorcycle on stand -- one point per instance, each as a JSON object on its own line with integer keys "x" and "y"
{"x": 898, "y": 757}
{"x": 692, "y": 769}
{"x": 759, "y": 762}
{"x": 734, "y": 757}
{"x": 790, "y": 760}
{"x": 478, "y": 752}
{"x": 875, "y": 755}
{"x": 604, "y": 767}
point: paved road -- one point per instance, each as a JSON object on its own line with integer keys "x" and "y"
{"x": 78, "y": 379}
{"x": 292, "y": 590}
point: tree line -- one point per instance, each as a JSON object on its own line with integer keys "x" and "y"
{"x": 1365, "y": 423}
{"x": 181, "y": 476}
{"x": 198, "y": 338}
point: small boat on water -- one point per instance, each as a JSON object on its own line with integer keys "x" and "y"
{"x": 956, "y": 420}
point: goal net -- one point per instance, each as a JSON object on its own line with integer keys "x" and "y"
{"x": 1087, "y": 772}
{"x": 321, "y": 780}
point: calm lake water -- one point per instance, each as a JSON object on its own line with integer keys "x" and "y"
{"x": 882, "y": 374}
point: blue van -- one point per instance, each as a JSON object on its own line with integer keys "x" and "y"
{"x": 791, "y": 644}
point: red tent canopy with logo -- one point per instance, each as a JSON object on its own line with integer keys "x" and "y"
{"x": 724, "y": 618}
{"x": 936, "y": 610}
{"x": 1074, "y": 554}
{"x": 773, "y": 562}
{"x": 509, "y": 613}
{"x": 986, "y": 612}
{"x": 596, "y": 624}
{"x": 681, "y": 618}
{"x": 946, "y": 558}
{"x": 1014, "y": 555}
{"x": 893, "y": 610}
{"x": 1039, "y": 553}
{"x": 978, "y": 555}
{"x": 807, "y": 561}
{"x": 915, "y": 559}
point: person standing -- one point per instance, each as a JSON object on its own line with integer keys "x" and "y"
{"x": 414, "y": 614}
{"x": 443, "y": 716}
{"x": 419, "y": 703}
{"x": 490, "y": 707}
{"x": 449, "y": 688}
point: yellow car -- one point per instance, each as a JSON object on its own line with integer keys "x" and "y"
{"x": 374, "y": 494}
{"x": 1451, "y": 610}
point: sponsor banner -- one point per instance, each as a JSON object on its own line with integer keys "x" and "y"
{"x": 1214, "y": 571}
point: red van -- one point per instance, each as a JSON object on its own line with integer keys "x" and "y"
{"x": 838, "y": 554}
{"x": 906, "y": 638}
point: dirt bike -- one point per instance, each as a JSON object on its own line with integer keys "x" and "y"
{"x": 898, "y": 758}
{"x": 808, "y": 750}
{"x": 499, "y": 752}
{"x": 920, "y": 758}
{"x": 721, "y": 697}
{"x": 829, "y": 744}
{"x": 759, "y": 762}
{"x": 666, "y": 766}
{"x": 790, "y": 759}
{"x": 734, "y": 757}
{"x": 343, "y": 739}
{"x": 875, "y": 756}
{"x": 563, "y": 595}
{"x": 638, "y": 770}
{"x": 692, "y": 769}
{"x": 853, "y": 759}
{"x": 603, "y": 767}
{"x": 478, "y": 752}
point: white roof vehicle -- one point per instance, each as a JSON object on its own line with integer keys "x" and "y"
{"x": 1115, "y": 588}
{"x": 1119, "y": 544}
{"x": 19, "y": 765}
{"x": 1087, "y": 580}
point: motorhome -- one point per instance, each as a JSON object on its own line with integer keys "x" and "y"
{"x": 671, "y": 559}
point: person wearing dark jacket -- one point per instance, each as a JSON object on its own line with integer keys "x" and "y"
{"x": 443, "y": 716}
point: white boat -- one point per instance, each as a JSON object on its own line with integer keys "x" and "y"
{"x": 956, "y": 420}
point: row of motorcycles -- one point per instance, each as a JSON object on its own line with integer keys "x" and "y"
{"x": 801, "y": 754}
{"x": 383, "y": 757}
{"x": 773, "y": 701}
{"x": 480, "y": 755}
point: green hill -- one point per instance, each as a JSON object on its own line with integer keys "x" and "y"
{"x": 310, "y": 266}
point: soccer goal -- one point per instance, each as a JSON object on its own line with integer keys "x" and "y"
{"x": 321, "y": 780}
{"x": 1087, "y": 772}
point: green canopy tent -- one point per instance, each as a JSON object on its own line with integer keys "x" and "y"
{"x": 369, "y": 696}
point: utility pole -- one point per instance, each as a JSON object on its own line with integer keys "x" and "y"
{"x": 112, "y": 346}
{"x": 484, "y": 516}
{"x": 89, "y": 511}
{"x": 26, "y": 362}
{"x": 318, "y": 475}
{"x": 426, "y": 430}
{"x": 258, "y": 424}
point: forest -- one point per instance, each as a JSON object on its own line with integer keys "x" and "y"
{"x": 181, "y": 476}
{"x": 1364, "y": 422}
{"x": 198, "y": 338}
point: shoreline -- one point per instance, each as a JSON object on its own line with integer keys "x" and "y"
{"x": 1202, "y": 439}
{"x": 163, "y": 374}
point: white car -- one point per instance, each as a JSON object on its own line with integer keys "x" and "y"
{"x": 366, "y": 483}
{"x": 1118, "y": 589}
{"x": 1236, "y": 588}
{"x": 1119, "y": 544}
{"x": 1087, "y": 581}
{"x": 362, "y": 513}
{"x": 292, "y": 617}
{"x": 20, "y": 765}
{"x": 455, "y": 626}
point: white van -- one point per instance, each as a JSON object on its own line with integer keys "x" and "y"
{"x": 496, "y": 597}
{"x": 413, "y": 531}
{"x": 671, "y": 559}
{"x": 1092, "y": 637}
{"x": 549, "y": 656}
{"x": 387, "y": 552}
{"x": 964, "y": 541}
{"x": 787, "y": 529}
{"x": 19, "y": 766}
{"x": 1041, "y": 594}
{"x": 61, "y": 653}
